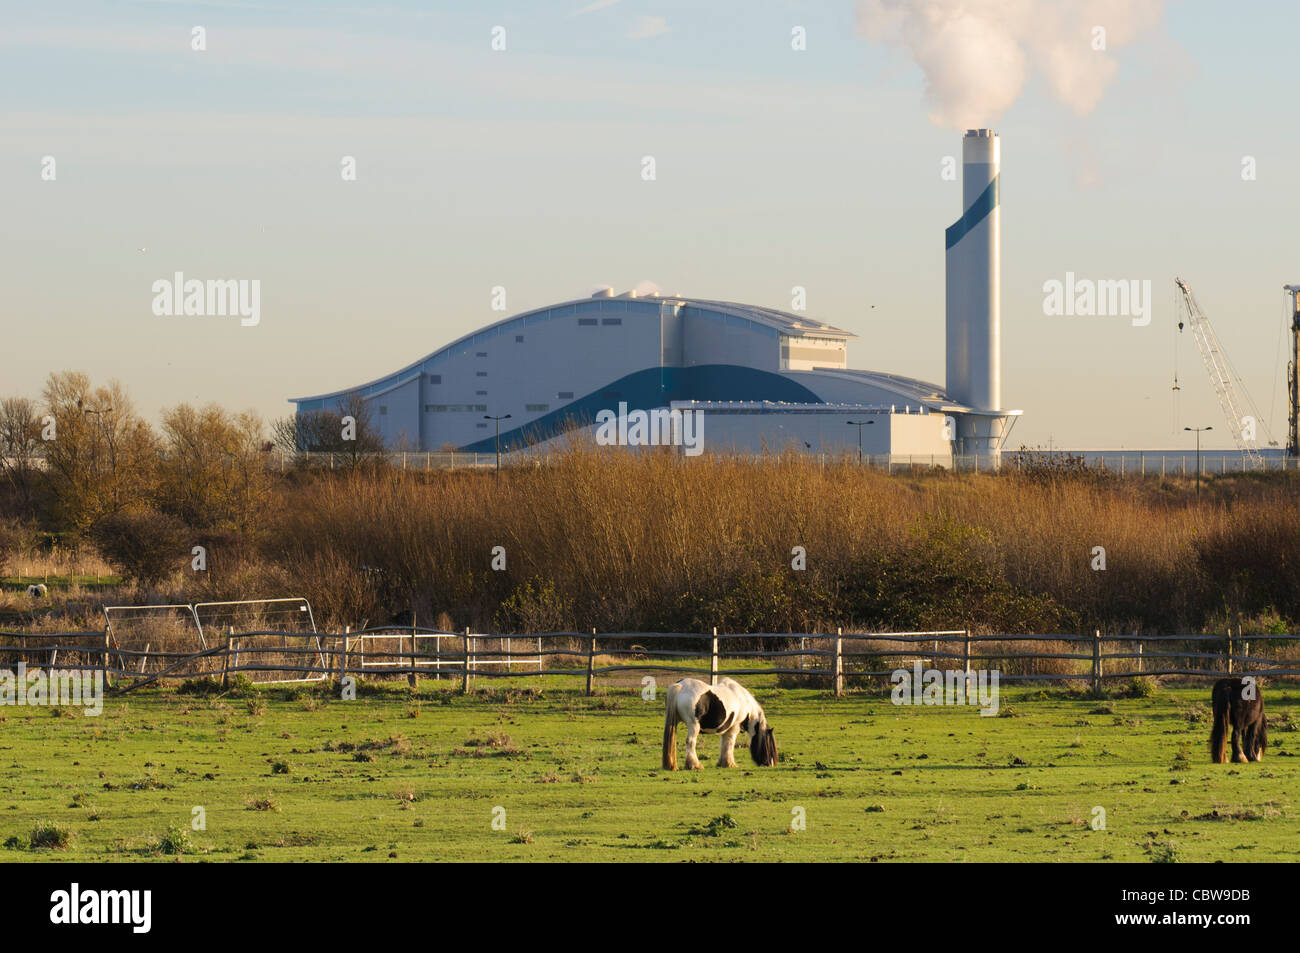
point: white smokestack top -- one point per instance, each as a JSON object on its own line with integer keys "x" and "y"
{"x": 974, "y": 278}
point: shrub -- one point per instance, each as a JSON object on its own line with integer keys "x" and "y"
{"x": 16, "y": 538}
{"x": 175, "y": 840}
{"x": 48, "y": 835}
{"x": 145, "y": 545}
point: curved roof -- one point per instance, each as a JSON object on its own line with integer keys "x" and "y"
{"x": 923, "y": 392}
{"x": 769, "y": 319}
{"x": 780, "y": 320}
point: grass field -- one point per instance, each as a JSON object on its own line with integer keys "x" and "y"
{"x": 285, "y": 775}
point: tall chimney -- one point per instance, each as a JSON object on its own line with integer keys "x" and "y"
{"x": 974, "y": 284}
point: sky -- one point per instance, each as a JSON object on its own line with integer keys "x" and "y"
{"x": 521, "y": 168}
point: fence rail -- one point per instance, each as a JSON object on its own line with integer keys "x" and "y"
{"x": 817, "y": 659}
{"x": 1140, "y": 463}
{"x": 1148, "y": 463}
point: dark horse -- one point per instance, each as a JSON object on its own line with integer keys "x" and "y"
{"x": 1238, "y": 705}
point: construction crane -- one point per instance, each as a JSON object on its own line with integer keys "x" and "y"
{"x": 1221, "y": 375}
{"x": 1293, "y": 373}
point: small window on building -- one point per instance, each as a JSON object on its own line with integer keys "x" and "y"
{"x": 587, "y": 322}
{"x": 435, "y": 378}
{"x": 565, "y": 395}
{"x": 519, "y": 339}
{"x": 481, "y": 354}
{"x": 480, "y": 373}
{"x": 480, "y": 393}
{"x": 611, "y": 320}
{"x": 537, "y": 408}
{"x": 383, "y": 409}
{"x": 481, "y": 426}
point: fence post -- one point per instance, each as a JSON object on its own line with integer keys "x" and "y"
{"x": 591, "y": 661}
{"x": 343, "y": 657}
{"x": 1140, "y": 644}
{"x": 965, "y": 650}
{"x": 1096, "y": 661}
{"x": 230, "y": 638}
{"x": 839, "y": 662}
{"x": 225, "y": 663}
{"x": 103, "y": 660}
{"x": 1229, "y": 650}
{"x": 464, "y": 682}
{"x": 411, "y": 680}
{"x": 713, "y": 659}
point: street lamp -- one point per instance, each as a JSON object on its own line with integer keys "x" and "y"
{"x": 860, "y": 424}
{"x": 1198, "y": 431}
{"x": 99, "y": 413}
{"x": 498, "y": 421}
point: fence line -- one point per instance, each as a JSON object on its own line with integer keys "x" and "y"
{"x": 840, "y": 657}
{"x": 1149, "y": 463}
{"x": 1140, "y": 463}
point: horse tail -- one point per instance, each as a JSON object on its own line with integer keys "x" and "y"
{"x": 1261, "y": 733}
{"x": 1222, "y": 701}
{"x": 670, "y": 729}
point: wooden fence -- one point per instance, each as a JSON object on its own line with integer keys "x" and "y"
{"x": 831, "y": 661}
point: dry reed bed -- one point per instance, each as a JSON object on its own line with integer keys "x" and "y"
{"x": 654, "y": 541}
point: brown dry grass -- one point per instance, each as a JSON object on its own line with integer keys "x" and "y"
{"x": 658, "y": 542}
{"x": 655, "y": 541}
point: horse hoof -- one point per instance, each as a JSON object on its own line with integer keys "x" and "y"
{"x": 1238, "y": 759}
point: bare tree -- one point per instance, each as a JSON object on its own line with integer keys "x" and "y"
{"x": 20, "y": 447}
{"x": 349, "y": 430}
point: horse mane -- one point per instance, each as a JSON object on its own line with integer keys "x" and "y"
{"x": 762, "y": 747}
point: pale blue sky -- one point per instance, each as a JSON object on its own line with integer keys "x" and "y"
{"x": 522, "y": 168}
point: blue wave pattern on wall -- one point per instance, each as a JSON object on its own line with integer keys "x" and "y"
{"x": 653, "y": 387}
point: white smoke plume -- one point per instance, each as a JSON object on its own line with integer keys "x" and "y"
{"x": 978, "y": 55}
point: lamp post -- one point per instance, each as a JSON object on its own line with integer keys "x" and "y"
{"x": 1198, "y": 431}
{"x": 498, "y": 422}
{"x": 860, "y": 424}
{"x": 99, "y": 413}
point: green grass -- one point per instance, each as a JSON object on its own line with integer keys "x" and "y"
{"x": 290, "y": 778}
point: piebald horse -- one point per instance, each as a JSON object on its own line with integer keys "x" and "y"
{"x": 725, "y": 709}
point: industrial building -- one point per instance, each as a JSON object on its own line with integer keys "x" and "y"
{"x": 757, "y": 378}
